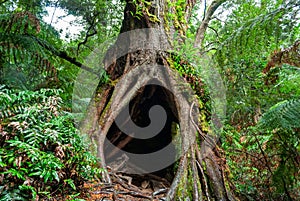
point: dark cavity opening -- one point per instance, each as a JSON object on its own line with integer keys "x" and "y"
{"x": 117, "y": 142}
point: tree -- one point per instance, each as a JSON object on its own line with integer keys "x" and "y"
{"x": 144, "y": 65}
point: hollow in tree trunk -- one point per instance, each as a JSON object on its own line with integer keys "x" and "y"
{"x": 133, "y": 134}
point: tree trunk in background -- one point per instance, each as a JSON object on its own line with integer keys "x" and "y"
{"x": 141, "y": 67}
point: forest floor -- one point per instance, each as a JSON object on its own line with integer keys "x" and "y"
{"x": 126, "y": 187}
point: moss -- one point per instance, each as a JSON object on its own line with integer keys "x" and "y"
{"x": 182, "y": 190}
{"x": 185, "y": 187}
{"x": 152, "y": 18}
{"x": 204, "y": 166}
{"x": 171, "y": 62}
{"x": 166, "y": 24}
{"x": 190, "y": 181}
{"x": 177, "y": 17}
{"x": 142, "y": 7}
{"x": 113, "y": 82}
{"x": 202, "y": 119}
{"x": 102, "y": 119}
{"x": 227, "y": 185}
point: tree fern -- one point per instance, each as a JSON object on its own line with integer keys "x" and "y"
{"x": 283, "y": 115}
{"x": 258, "y": 31}
{"x": 25, "y": 62}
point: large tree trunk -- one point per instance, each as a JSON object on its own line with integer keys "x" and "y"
{"x": 141, "y": 67}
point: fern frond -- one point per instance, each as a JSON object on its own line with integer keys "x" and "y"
{"x": 19, "y": 41}
{"x": 290, "y": 55}
{"x": 266, "y": 24}
{"x": 25, "y": 62}
{"x": 20, "y": 22}
{"x": 13, "y": 102}
{"x": 283, "y": 115}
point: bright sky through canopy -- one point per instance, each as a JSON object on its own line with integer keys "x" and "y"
{"x": 63, "y": 23}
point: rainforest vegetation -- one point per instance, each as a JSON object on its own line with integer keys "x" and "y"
{"x": 226, "y": 73}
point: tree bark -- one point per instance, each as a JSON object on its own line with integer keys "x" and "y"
{"x": 141, "y": 67}
{"x": 206, "y": 19}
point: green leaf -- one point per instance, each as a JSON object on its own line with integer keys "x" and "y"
{"x": 71, "y": 183}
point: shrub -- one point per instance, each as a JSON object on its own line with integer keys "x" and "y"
{"x": 41, "y": 150}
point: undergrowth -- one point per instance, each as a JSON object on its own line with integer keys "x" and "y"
{"x": 264, "y": 159}
{"x": 41, "y": 152}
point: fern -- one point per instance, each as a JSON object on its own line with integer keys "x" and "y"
{"x": 254, "y": 35}
{"x": 40, "y": 148}
{"x": 25, "y": 62}
{"x": 24, "y": 103}
{"x": 283, "y": 115}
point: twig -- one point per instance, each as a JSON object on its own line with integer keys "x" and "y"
{"x": 204, "y": 10}
{"x": 216, "y": 32}
{"x": 108, "y": 191}
{"x": 263, "y": 153}
{"x": 122, "y": 183}
{"x": 103, "y": 198}
{"x": 119, "y": 146}
{"x": 160, "y": 191}
{"x": 53, "y": 12}
{"x": 136, "y": 194}
{"x": 286, "y": 189}
{"x": 92, "y": 26}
